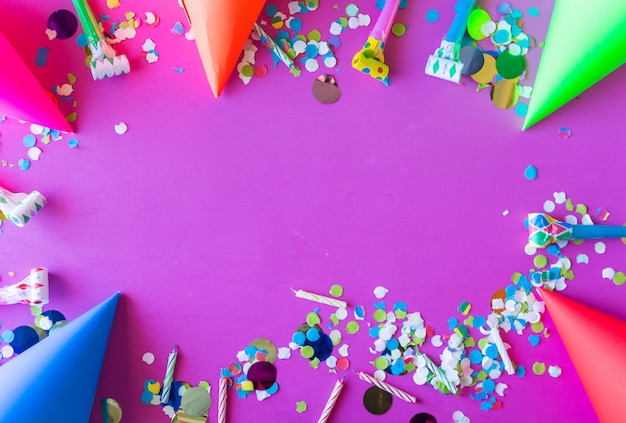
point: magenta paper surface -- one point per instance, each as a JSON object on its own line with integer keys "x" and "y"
{"x": 206, "y": 212}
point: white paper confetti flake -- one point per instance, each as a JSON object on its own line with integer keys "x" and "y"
{"x": 148, "y": 358}
{"x": 121, "y": 128}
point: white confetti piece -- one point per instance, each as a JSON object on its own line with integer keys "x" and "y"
{"x": 582, "y": 258}
{"x": 600, "y": 247}
{"x": 283, "y": 353}
{"x": 380, "y": 292}
{"x": 560, "y": 197}
{"x": 436, "y": 341}
{"x": 121, "y": 128}
{"x": 34, "y": 153}
{"x": 148, "y": 358}
{"x": 549, "y": 206}
{"x": 505, "y": 213}
{"x": 555, "y": 371}
{"x": 530, "y": 250}
{"x": 343, "y": 350}
{"x": 608, "y": 273}
{"x": 586, "y": 220}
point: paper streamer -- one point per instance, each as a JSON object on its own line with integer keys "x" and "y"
{"x": 332, "y": 400}
{"x": 33, "y": 290}
{"x": 436, "y": 370}
{"x": 105, "y": 62}
{"x": 386, "y": 387}
{"x": 320, "y": 298}
{"x": 169, "y": 375}
{"x": 445, "y": 63}
{"x": 371, "y": 59}
{"x": 222, "y": 399}
{"x": 544, "y": 230}
{"x": 20, "y": 207}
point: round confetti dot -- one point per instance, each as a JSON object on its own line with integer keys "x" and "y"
{"x": 82, "y": 41}
{"x": 504, "y": 93}
{"x": 540, "y": 261}
{"x": 148, "y": 358}
{"x": 73, "y": 143}
{"x": 399, "y": 29}
{"x": 7, "y": 336}
{"x": 380, "y": 292}
{"x": 64, "y": 23}
{"x": 121, "y": 128}
{"x": 322, "y": 347}
{"x": 381, "y": 363}
{"x": 343, "y": 363}
{"x": 313, "y": 319}
{"x": 521, "y": 109}
{"x": 336, "y": 290}
{"x": 301, "y": 406}
{"x": 510, "y": 66}
{"x": 380, "y": 315}
{"x": 476, "y": 20}
{"x": 112, "y": 409}
{"x": 312, "y": 334}
{"x": 314, "y": 35}
{"x": 7, "y": 351}
{"x": 472, "y": 59}
{"x": 423, "y": 418}
{"x": 34, "y": 153}
{"x": 352, "y": 327}
{"x": 352, "y": 9}
{"x": 299, "y": 338}
{"x": 341, "y": 313}
{"x": 530, "y": 173}
{"x": 432, "y": 15}
{"x": 262, "y": 374}
{"x": 619, "y": 278}
{"x": 29, "y": 140}
{"x": 197, "y": 401}
{"x": 307, "y": 351}
{"x": 377, "y": 401}
{"x": 549, "y": 206}
{"x": 330, "y": 62}
{"x": 600, "y": 247}
{"x": 539, "y": 368}
{"x": 487, "y": 73}
{"x": 25, "y": 337}
{"x": 311, "y": 65}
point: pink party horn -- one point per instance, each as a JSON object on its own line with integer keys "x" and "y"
{"x": 370, "y": 59}
{"x": 33, "y": 290}
{"x": 20, "y": 207}
{"x": 544, "y": 230}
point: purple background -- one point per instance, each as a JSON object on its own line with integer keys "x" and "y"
{"x": 206, "y": 211}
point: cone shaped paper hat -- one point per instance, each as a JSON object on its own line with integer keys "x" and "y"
{"x": 596, "y": 343}
{"x": 585, "y": 42}
{"x": 221, "y": 28}
{"x": 55, "y": 380}
{"x": 22, "y": 96}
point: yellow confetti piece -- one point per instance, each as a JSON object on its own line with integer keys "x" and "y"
{"x": 71, "y": 117}
{"x": 539, "y": 368}
{"x": 71, "y": 78}
{"x": 112, "y": 4}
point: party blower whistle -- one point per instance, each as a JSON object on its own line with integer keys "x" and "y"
{"x": 371, "y": 60}
{"x": 105, "y": 62}
{"x": 20, "y": 207}
{"x": 444, "y": 63}
{"x": 33, "y": 290}
{"x": 544, "y": 230}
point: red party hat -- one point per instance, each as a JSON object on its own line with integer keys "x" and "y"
{"x": 596, "y": 344}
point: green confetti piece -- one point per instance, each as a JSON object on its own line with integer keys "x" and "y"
{"x": 569, "y": 206}
{"x": 401, "y": 314}
{"x": 469, "y": 342}
{"x": 540, "y": 261}
{"x": 537, "y": 327}
{"x": 314, "y": 35}
{"x": 381, "y": 363}
{"x": 619, "y": 278}
{"x": 515, "y": 277}
{"x": 301, "y": 406}
{"x": 380, "y": 315}
{"x": 482, "y": 376}
{"x": 336, "y": 290}
{"x": 315, "y": 363}
{"x": 313, "y": 319}
{"x": 539, "y": 368}
{"x": 352, "y": 327}
{"x": 307, "y": 351}
{"x": 569, "y": 274}
{"x": 35, "y": 311}
{"x": 333, "y": 318}
{"x": 581, "y": 208}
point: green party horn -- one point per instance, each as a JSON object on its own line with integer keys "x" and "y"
{"x": 544, "y": 230}
{"x": 105, "y": 62}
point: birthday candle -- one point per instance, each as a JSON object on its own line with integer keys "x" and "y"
{"x": 387, "y": 387}
{"x": 223, "y": 397}
{"x": 504, "y": 355}
{"x": 332, "y": 400}
{"x": 320, "y": 298}
{"x": 438, "y": 372}
{"x": 169, "y": 375}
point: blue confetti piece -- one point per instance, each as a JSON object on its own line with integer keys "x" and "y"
{"x": 41, "y": 59}
{"x": 489, "y": 386}
{"x": 531, "y": 173}
{"x": 534, "y": 340}
{"x": 510, "y": 290}
{"x": 73, "y": 143}
{"x": 359, "y": 311}
{"x": 479, "y": 321}
{"x": 504, "y": 8}
{"x": 521, "y": 109}
{"x": 271, "y": 10}
{"x": 272, "y": 389}
{"x": 29, "y": 140}
{"x": 491, "y": 351}
{"x": 533, "y": 11}
{"x": 393, "y": 344}
{"x": 374, "y": 332}
{"x": 7, "y": 336}
{"x": 432, "y": 15}
{"x": 23, "y": 164}
{"x": 298, "y": 338}
{"x": 380, "y": 305}
{"x": 178, "y": 28}
{"x": 295, "y": 24}
{"x": 486, "y": 406}
{"x": 520, "y": 371}
{"x": 453, "y": 322}
{"x": 312, "y": 334}
{"x": 475, "y": 357}
{"x": 399, "y": 305}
